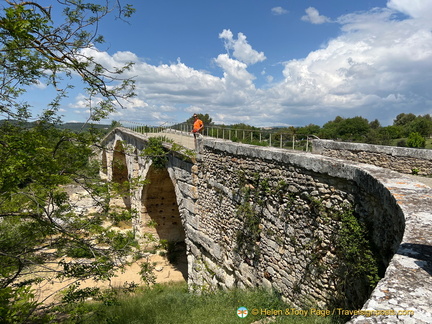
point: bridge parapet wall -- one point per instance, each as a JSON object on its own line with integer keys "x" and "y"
{"x": 401, "y": 159}
{"x": 181, "y": 172}
{"x": 267, "y": 218}
{"x": 258, "y": 216}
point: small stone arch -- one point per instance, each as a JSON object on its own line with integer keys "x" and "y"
{"x": 119, "y": 165}
{"x": 104, "y": 162}
{"x": 120, "y": 173}
{"x": 159, "y": 204}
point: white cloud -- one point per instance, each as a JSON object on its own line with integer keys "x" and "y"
{"x": 39, "y": 85}
{"x": 241, "y": 48}
{"x": 279, "y": 11}
{"x": 413, "y": 8}
{"x": 313, "y": 16}
{"x": 377, "y": 60}
{"x": 193, "y": 109}
{"x": 377, "y": 67}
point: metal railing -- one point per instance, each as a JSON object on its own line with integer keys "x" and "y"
{"x": 261, "y": 137}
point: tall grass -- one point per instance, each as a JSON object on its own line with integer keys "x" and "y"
{"x": 173, "y": 304}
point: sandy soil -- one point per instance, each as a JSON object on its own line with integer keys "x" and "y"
{"x": 48, "y": 291}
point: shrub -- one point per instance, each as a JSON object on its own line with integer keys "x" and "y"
{"x": 416, "y": 140}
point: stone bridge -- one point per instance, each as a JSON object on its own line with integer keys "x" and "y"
{"x": 321, "y": 231}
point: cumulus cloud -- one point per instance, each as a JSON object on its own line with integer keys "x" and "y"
{"x": 39, "y": 85}
{"x": 376, "y": 61}
{"x": 313, "y": 16}
{"x": 414, "y": 8}
{"x": 377, "y": 67}
{"x": 279, "y": 11}
{"x": 241, "y": 48}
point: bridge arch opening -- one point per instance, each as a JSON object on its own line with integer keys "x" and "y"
{"x": 119, "y": 165}
{"x": 120, "y": 173}
{"x": 104, "y": 162}
{"x": 159, "y": 206}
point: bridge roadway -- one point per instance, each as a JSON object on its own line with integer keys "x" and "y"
{"x": 187, "y": 140}
{"x": 407, "y": 282}
{"x": 181, "y": 138}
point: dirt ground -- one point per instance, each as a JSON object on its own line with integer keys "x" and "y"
{"x": 49, "y": 290}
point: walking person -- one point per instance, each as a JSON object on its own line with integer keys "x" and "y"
{"x": 197, "y": 129}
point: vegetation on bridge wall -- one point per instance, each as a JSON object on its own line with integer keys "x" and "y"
{"x": 299, "y": 232}
{"x": 354, "y": 268}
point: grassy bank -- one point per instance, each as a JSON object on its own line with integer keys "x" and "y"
{"x": 172, "y": 303}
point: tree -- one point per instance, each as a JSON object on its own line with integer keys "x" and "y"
{"x": 206, "y": 119}
{"x": 421, "y": 125}
{"x": 404, "y": 119}
{"x": 39, "y": 224}
{"x": 352, "y": 129}
{"x": 375, "y": 124}
{"x": 330, "y": 129}
{"x": 416, "y": 140}
{"x": 310, "y": 129}
{"x": 35, "y": 49}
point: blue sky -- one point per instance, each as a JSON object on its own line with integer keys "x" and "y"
{"x": 269, "y": 62}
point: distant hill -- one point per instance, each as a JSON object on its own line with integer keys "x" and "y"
{"x": 75, "y": 127}
{"x": 82, "y": 126}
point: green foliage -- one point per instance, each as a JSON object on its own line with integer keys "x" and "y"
{"x": 391, "y": 132}
{"x": 172, "y": 303}
{"x": 358, "y": 263}
{"x": 247, "y": 238}
{"x": 416, "y": 140}
{"x": 39, "y": 224}
{"x": 205, "y": 118}
{"x": 17, "y": 305}
{"x": 411, "y": 123}
{"x": 173, "y": 250}
{"x": 404, "y": 119}
{"x": 310, "y": 129}
{"x": 156, "y": 152}
{"x": 421, "y": 125}
{"x": 35, "y": 48}
{"x": 252, "y": 194}
{"x": 147, "y": 274}
{"x": 352, "y": 129}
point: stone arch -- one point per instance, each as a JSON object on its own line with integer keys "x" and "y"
{"x": 104, "y": 166}
{"x": 159, "y": 204}
{"x": 119, "y": 165}
{"x": 120, "y": 173}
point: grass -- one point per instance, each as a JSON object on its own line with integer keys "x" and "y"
{"x": 428, "y": 142}
{"x": 173, "y": 304}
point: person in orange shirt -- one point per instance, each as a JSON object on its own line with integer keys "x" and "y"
{"x": 198, "y": 125}
{"x": 197, "y": 128}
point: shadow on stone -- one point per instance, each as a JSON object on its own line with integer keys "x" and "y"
{"x": 421, "y": 252}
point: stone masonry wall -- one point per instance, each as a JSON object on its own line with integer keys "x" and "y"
{"x": 181, "y": 172}
{"x": 272, "y": 218}
{"x": 400, "y": 159}
{"x": 259, "y": 216}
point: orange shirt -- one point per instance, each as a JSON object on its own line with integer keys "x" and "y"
{"x": 198, "y": 125}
